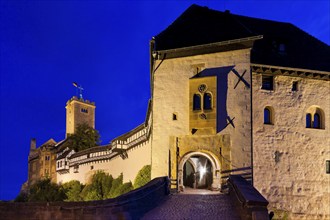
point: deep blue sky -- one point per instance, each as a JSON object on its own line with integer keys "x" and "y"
{"x": 103, "y": 45}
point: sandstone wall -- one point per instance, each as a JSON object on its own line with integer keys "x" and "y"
{"x": 171, "y": 95}
{"x": 289, "y": 159}
{"x": 137, "y": 157}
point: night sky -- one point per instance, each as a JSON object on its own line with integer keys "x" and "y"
{"x": 104, "y": 46}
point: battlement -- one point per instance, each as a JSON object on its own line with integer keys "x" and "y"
{"x": 85, "y": 101}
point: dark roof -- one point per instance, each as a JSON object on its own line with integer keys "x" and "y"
{"x": 64, "y": 155}
{"x": 91, "y": 150}
{"x": 201, "y": 25}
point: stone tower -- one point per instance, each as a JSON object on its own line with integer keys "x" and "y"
{"x": 79, "y": 111}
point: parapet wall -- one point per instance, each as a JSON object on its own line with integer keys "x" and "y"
{"x": 132, "y": 205}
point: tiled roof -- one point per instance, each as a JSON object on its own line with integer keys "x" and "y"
{"x": 283, "y": 44}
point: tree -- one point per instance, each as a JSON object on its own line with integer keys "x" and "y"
{"x": 22, "y": 197}
{"x": 46, "y": 191}
{"x": 143, "y": 176}
{"x": 116, "y": 183}
{"x": 98, "y": 188}
{"x": 73, "y": 190}
{"x": 84, "y": 137}
{"x": 121, "y": 189}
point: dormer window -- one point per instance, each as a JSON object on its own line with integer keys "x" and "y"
{"x": 282, "y": 49}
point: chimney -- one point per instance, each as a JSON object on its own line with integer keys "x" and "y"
{"x": 33, "y": 145}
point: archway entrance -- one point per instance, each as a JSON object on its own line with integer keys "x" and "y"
{"x": 197, "y": 173}
{"x": 199, "y": 170}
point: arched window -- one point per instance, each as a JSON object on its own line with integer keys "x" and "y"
{"x": 317, "y": 121}
{"x": 267, "y": 116}
{"x": 315, "y": 117}
{"x": 308, "y": 120}
{"x": 207, "y": 101}
{"x": 196, "y": 102}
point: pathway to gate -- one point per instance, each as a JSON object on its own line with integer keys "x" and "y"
{"x": 194, "y": 204}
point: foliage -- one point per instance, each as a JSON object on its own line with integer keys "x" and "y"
{"x": 116, "y": 183}
{"x": 143, "y": 176}
{"x": 84, "y": 137}
{"x": 99, "y": 187}
{"x": 123, "y": 188}
{"x": 22, "y": 197}
{"x": 45, "y": 191}
{"x": 73, "y": 190}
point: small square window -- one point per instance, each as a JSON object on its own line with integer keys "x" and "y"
{"x": 92, "y": 167}
{"x": 267, "y": 82}
{"x": 294, "y": 86}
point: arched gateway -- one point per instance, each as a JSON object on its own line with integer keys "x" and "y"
{"x": 199, "y": 170}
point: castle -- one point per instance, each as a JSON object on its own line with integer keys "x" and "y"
{"x": 230, "y": 95}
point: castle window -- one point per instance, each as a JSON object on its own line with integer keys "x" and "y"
{"x": 75, "y": 169}
{"x": 268, "y": 115}
{"x": 267, "y": 82}
{"x": 174, "y": 117}
{"x": 316, "y": 122}
{"x": 197, "y": 102}
{"x": 327, "y": 166}
{"x": 47, "y": 157}
{"x": 92, "y": 167}
{"x": 207, "y": 101}
{"x": 294, "y": 86}
{"x": 84, "y": 110}
{"x": 308, "y": 120}
{"x": 315, "y": 118}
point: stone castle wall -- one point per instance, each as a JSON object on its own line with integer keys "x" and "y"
{"x": 171, "y": 95}
{"x": 137, "y": 157}
{"x": 290, "y": 159}
{"x": 79, "y": 111}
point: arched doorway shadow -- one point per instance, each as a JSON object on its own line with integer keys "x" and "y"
{"x": 199, "y": 170}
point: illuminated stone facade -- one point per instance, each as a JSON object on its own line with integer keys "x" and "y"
{"x": 243, "y": 98}
{"x": 79, "y": 111}
{"x": 42, "y": 161}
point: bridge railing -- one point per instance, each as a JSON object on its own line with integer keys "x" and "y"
{"x": 250, "y": 204}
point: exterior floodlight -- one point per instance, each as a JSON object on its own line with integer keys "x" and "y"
{"x": 75, "y": 84}
{"x": 202, "y": 171}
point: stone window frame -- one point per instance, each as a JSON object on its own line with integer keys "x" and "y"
{"x": 294, "y": 87}
{"x": 175, "y": 116}
{"x": 265, "y": 79}
{"x": 270, "y": 118}
{"x": 196, "y": 106}
{"x": 206, "y": 104}
{"x": 327, "y": 166}
{"x": 315, "y": 118}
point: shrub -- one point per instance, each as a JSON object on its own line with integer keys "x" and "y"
{"x": 46, "y": 191}
{"x": 123, "y": 188}
{"x": 73, "y": 190}
{"x": 143, "y": 176}
{"x": 22, "y": 197}
{"x": 98, "y": 188}
{"x": 116, "y": 183}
